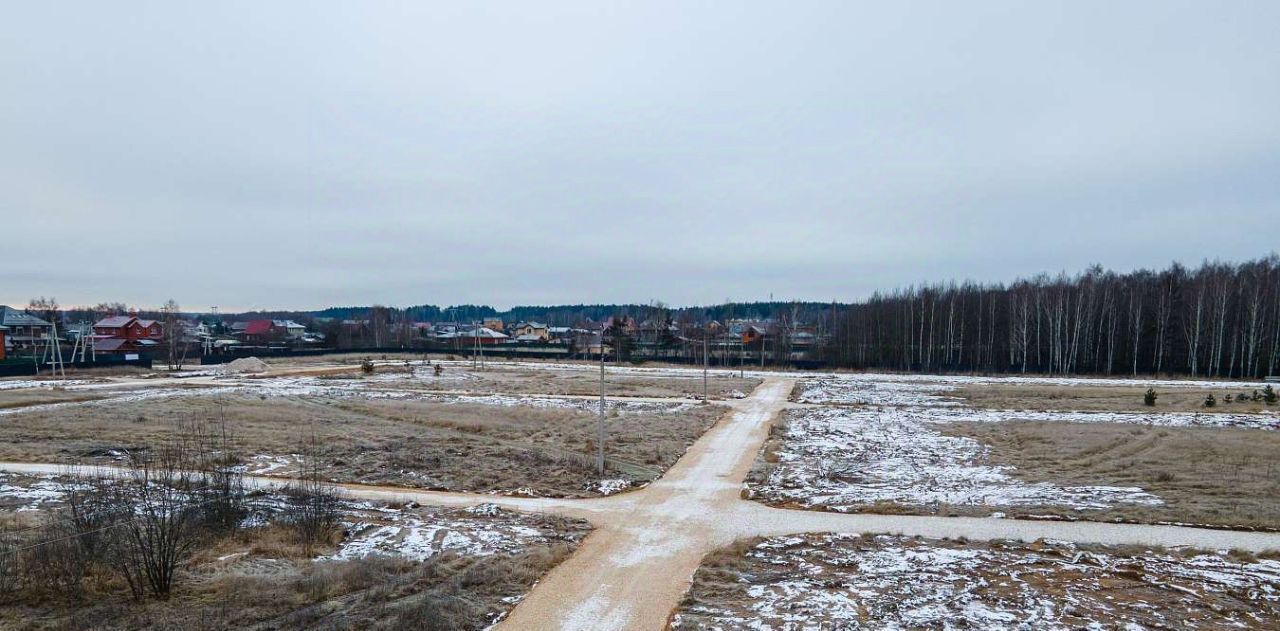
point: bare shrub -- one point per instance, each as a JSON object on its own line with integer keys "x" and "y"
{"x": 10, "y": 564}
{"x": 88, "y": 514}
{"x": 56, "y": 563}
{"x": 166, "y": 525}
{"x": 221, "y": 483}
{"x": 311, "y": 503}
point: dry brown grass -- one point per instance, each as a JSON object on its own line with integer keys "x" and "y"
{"x": 26, "y": 397}
{"x": 265, "y": 589}
{"x": 517, "y": 380}
{"x": 1221, "y": 477}
{"x": 413, "y": 443}
{"x": 1114, "y": 585}
{"x": 1102, "y": 398}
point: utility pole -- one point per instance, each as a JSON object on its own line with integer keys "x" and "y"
{"x": 742, "y": 350}
{"x": 54, "y": 349}
{"x": 600, "y": 419}
{"x": 706, "y": 332}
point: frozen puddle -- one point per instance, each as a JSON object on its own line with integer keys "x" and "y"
{"x": 886, "y": 582}
{"x": 842, "y": 459}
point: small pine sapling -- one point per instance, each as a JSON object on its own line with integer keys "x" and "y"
{"x": 1149, "y": 399}
{"x": 1210, "y": 401}
{"x": 1228, "y": 399}
{"x": 1269, "y": 395}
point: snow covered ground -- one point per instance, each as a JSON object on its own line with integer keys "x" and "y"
{"x": 49, "y": 384}
{"x": 401, "y": 387}
{"x": 417, "y": 533}
{"x": 927, "y": 398}
{"x": 829, "y": 581}
{"x": 842, "y": 459}
{"x": 24, "y": 493}
{"x": 413, "y": 532}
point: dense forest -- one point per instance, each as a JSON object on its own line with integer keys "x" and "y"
{"x": 1220, "y": 320}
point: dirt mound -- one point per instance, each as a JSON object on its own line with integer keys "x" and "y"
{"x": 246, "y": 365}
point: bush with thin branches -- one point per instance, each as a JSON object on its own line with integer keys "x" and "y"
{"x": 312, "y": 505}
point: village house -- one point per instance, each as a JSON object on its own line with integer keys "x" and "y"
{"x": 753, "y": 335}
{"x": 126, "y": 334}
{"x": 484, "y": 336}
{"x": 531, "y": 332}
{"x": 128, "y": 327}
{"x": 3, "y": 342}
{"x": 24, "y": 329}
{"x": 262, "y": 331}
{"x": 291, "y": 329}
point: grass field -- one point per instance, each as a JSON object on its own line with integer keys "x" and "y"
{"x": 1218, "y": 476}
{"x": 1105, "y": 398}
{"x": 431, "y": 568}
{"x": 424, "y": 444}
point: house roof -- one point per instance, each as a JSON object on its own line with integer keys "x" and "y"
{"x": 115, "y": 321}
{"x": 258, "y": 327}
{"x": 110, "y": 344}
{"x": 146, "y": 323}
{"x": 12, "y": 317}
{"x": 486, "y": 333}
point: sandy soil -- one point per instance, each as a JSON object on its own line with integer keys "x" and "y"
{"x": 629, "y": 573}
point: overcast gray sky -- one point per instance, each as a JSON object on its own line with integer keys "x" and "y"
{"x": 292, "y": 155}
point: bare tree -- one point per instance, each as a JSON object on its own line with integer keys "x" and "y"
{"x": 174, "y": 334}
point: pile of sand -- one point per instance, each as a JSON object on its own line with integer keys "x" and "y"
{"x": 245, "y": 365}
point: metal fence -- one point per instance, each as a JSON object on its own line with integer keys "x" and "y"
{"x": 21, "y": 367}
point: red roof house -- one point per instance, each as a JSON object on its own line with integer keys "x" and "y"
{"x": 128, "y": 328}
{"x": 262, "y": 331}
{"x": 126, "y": 334}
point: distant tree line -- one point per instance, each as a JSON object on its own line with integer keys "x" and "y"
{"x": 1219, "y": 320}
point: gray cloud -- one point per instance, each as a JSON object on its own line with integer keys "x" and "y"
{"x": 297, "y": 155}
